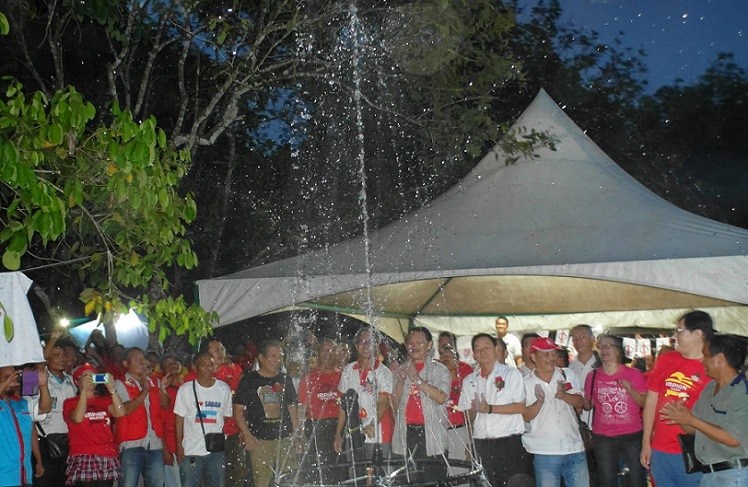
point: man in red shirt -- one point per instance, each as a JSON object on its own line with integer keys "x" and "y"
{"x": 318, "y": 394}
{"x": 139, "y": 433}
{"x": 677, "y": 376}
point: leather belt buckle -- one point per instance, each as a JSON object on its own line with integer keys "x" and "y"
{"x": 728, "y": 465}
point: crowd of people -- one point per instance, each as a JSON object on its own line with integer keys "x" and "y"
{"x": 107, "y": 414}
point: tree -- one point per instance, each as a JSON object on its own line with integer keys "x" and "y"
{"x": 99, "y": 199}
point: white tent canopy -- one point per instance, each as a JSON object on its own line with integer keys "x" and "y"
{"x": 548, "y": 240}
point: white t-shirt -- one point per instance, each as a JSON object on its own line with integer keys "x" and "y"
{"x": 215, "y": 405}
{"x": 580, "y": 371}
{"x": 512, "y": 390}
{"x": 59, "y": 390}
{"x": 376, "y": 382}
{"x": 513, "y": 349}
{"x": 554, "y": 431}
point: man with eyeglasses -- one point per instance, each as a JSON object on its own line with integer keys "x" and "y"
{"x": 678, "y": 376}
{"x": 719, "y": 419}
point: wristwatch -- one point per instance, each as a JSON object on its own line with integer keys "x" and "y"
{"x": 419, "y": 382}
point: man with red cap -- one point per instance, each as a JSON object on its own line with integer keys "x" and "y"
{"x": 553, "y": 437}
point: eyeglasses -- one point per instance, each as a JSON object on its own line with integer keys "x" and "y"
{"x": 681, "y": 330}
{"x": 605, "y": 346}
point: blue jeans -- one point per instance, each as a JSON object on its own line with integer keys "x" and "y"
{"x": 668, "y": 470}
{"x": 212, "y": 466}
{"x": 735, "y": 477}
{"x": 139, "y": 461}
{"x": 549, "y": 469}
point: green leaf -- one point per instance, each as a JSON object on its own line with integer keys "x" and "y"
{"x": 4, "y": 25}
{"x": 11, "y": 261}
{"x": 8, "y": 328}
{"x": 55, "y": 134}
{"x": 222, "y": 36}
{"x": 161, "y": 139}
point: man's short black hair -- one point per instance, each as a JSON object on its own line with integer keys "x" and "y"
{"x": 732, "y": 347}
{"x": 527, "y": 335}
{"x": 423, "y": 330}
{"x": 265, "y": 345}
{"x": 452, "y": 337}
{"x": 477, "y": 337}
{"x": 699, "y": 320}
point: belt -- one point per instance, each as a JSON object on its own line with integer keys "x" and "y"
{"x": 718, "y": 467}
{"x": 455, "y": 427}
{"x": 416, "y": 426}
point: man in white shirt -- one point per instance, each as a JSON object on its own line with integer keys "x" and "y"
{"x": 494, "y": 398}
{"x": 553, "y": 437}
{"x": 61, "y": 387}
{"x": 196, "y": 463}
{"x": 373, "y": 383}
{"x": 584, "y": 341}
{"x": 527, "y": 364}
{"x": 513, "y": 345}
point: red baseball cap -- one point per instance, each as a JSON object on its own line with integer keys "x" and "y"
{"x": 543, "y": 344}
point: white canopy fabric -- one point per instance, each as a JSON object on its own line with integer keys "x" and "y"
{"x": 555, "y": 236}
{"x": 24, "y": 346}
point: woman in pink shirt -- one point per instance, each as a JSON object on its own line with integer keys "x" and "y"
{"x": 617, "y": 394}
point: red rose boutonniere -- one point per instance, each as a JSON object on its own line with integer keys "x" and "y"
{"x": 500, "y": 383}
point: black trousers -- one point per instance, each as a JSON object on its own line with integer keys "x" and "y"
{"x": 54, "y": 468}
{"x": 415, "y": 440}
{"x": 503, "y": 458}
{"x": 320, "y": 454}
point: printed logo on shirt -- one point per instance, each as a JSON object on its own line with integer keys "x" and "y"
{"x": 677, "y": 385}
{"x": 327, "y": 396}
{"x": 98, "y": 417}
{"x": 270, "y": 397}
{"x": 613, "y": 399}
{"x": 208, "y": 417}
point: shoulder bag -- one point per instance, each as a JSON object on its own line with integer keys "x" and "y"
{"x": 688, "y": 449}
{"x": 58, "y": 445}
{"x": 584, "y": 430}
{"x": 214, "y": 442}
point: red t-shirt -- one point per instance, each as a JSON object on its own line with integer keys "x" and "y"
{"x": 414, "y": 408}
{"x": 455, "y": 416}
{"x": 674, "y": 378}
{"x": 170, "y": 421}
{"x": 93, "y": 435}
{"x": 318, "y": 391}
{"x": 231, "y": 374}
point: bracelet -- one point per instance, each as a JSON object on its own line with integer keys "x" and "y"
{"x": 490, "y": 409}
{"x": 113, "y": 393}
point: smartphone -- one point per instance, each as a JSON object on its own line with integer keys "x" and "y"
{"x": 29, "y": 383}
{"x": 101, "y": 378}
